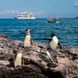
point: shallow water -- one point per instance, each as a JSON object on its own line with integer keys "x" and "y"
{"x": 66, "y": 30}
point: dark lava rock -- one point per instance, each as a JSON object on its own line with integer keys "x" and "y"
{"x": 3, "y": 36}
{"x": 36, "y": 62}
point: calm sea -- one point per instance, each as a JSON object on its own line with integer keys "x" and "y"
{"x": 66, "y": 30}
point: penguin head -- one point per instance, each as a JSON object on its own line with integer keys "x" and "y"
{"x": 52, "y": 35}
{"x": 27, "y": 31}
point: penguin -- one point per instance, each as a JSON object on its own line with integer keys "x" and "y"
{"x": 27, "y": 38}
{"x": 18, "y": 60}
{"x": 54, "y": 42}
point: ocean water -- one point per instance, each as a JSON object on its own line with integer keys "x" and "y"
{"x": 66, "y": 30}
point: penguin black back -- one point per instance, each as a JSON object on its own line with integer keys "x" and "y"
{"x": 54, "y": 42}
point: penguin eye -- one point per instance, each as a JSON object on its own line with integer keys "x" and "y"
{"x": 52, "y": 35}
{"x": 27, "y": 30}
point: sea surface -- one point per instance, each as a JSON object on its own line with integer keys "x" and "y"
{"x": 66, "y": 30}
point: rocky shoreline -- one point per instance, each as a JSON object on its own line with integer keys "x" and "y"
{"x": 36, "y": 62}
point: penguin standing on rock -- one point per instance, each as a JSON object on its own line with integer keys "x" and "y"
{"x": 54, "y": 42}
{"x": 18, "y": 60}
{"x": 27, "y": 38}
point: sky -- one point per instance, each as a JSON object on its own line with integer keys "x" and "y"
{"x": 40, "y": 8}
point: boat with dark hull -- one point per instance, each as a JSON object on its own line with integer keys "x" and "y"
{"x": 50, "y": 19}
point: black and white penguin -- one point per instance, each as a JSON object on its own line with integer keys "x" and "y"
{"x": 27, "y": 38}
{"x": 54, "y": 42}
{"x": 18, "y": 60}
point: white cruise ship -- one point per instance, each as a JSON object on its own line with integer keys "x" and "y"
{"x": 25, "y": 15}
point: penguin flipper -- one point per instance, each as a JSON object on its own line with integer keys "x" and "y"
{"x": 46, "y": 39}
{"x": 59, "y": 45}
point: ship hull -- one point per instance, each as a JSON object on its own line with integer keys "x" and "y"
{"x": 25, "y": 18}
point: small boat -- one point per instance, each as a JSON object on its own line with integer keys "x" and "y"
{"x": 50, "y": 19}
{"x": 56, "y": 18}
{"x": 57, "y": 22}
{"x": 25, "y": 15}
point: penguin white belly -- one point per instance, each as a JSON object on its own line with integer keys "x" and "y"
{"x": 27, "y": 41}
{"x": 18, "y": 60}
{"x": 53, "y": 45}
